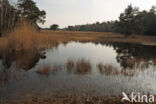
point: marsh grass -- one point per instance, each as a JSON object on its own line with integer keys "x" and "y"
{"x": 26, "y": 37}
{"x": 139, "y": 64}
{"x": 55, "y": 68}
{"x": 107, "y": 69}
{"x": 128, "y": 72}
{"x": 131, "y": 62}
{"x": 44, "y": 70}
{"x": 20, "y": 39}
{"x": 80, "y": 66}
{"x": 83, "y": 66}
{"x": 110, "y": 69}
{"x": 70, "y": 65}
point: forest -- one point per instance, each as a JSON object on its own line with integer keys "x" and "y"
{"x": 131, "y": 21}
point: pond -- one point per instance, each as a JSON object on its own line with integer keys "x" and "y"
{"x": 82, "y": 68}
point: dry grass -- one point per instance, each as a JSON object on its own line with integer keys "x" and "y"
{"x": 25, "y": 37}
{"x": 128, "y": 72}
{"x": 70, "y": 65}
{"x": 55, "y": 68}
{"x": 65, "y": 36}
{"x": 107, "y": 69}
{"x": 100, "y": 67}
{"x": 44, "y": 70}
{"x": 22, "y": 38}
{"x": 139, "y": 64}
{"x": 130, "y": 62}
{"x": 47, "y": 69}
{"x": 68, "y": 99}
{"x": 83, "y": 66}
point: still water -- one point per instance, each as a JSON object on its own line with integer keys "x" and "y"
{"x": 137, "y": 75}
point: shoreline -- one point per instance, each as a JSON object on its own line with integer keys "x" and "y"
{"x": 57, "y": 98}
{"x": 66, "y": 36}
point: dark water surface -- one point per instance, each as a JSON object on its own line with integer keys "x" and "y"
{"x": 132, "y": 69}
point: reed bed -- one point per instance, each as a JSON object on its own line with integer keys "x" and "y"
{"x": 55, "y": 68}
{"x": 110, "y": 69}
{"x": 44, "y": 70}
{"x": 80, "y": 66}
{"x": 70, "y": 65}
{"x": 83, "y": 66}
{"x": 107, "y": 69}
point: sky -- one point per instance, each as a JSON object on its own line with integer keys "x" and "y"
{"x": 77, "y": 12}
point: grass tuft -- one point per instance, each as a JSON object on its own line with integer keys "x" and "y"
{"x": 83, "y": 66}
{"x": 107, "y": 69}
{"x": 44, "y": 70}
{"x": 70, "y": 65}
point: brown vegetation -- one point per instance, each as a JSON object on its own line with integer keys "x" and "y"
{"x": 44, "y": 70}
{"x": 65, "y": 36}
{"x": 79, "y": 67}
{"x": 26, "y": 37}
{"x": 107, "y": 69}
{"x": 55, "y": 68}
{"x": 56, "y": 98}
{"x": 133, "y": 63}
{"x": 83, "y": 67}
{"x": 22, "y": 38}
{"x": 70, "y": 65}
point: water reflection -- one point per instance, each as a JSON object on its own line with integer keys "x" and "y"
{"x": 74, "y": 66}
{"x": 23, "y": 60}
{"x": 83, "y": 67}
{"x": 129, "y": 55}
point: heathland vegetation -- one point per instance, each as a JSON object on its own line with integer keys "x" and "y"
{"x": 23, "y": 43}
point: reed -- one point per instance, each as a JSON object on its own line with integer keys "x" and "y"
{"x": 107, "y": 69}
{"x": 44, "y": 70}
{"x": 55, "y": 68}
{"x": 70, "y": 65}
{"x": 83, "y": 66}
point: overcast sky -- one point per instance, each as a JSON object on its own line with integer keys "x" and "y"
{"x": 71, "y": 12}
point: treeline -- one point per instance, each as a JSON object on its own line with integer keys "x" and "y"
{"x": 12, "y": 13}
{"x": 131, "y": 21}
{"x": 96, "y": 27}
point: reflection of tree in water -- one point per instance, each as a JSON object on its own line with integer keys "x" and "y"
{"x": 133, "y": 54}
{"x": 4, "y": 77}
{"x": 12, "y": 63}
{"x": 129, "y": 55}
{"x": 24, "y": 60}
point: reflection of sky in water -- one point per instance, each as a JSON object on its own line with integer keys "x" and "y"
{"x": 94, "y": 82}
{"x": 90, "y": 51}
